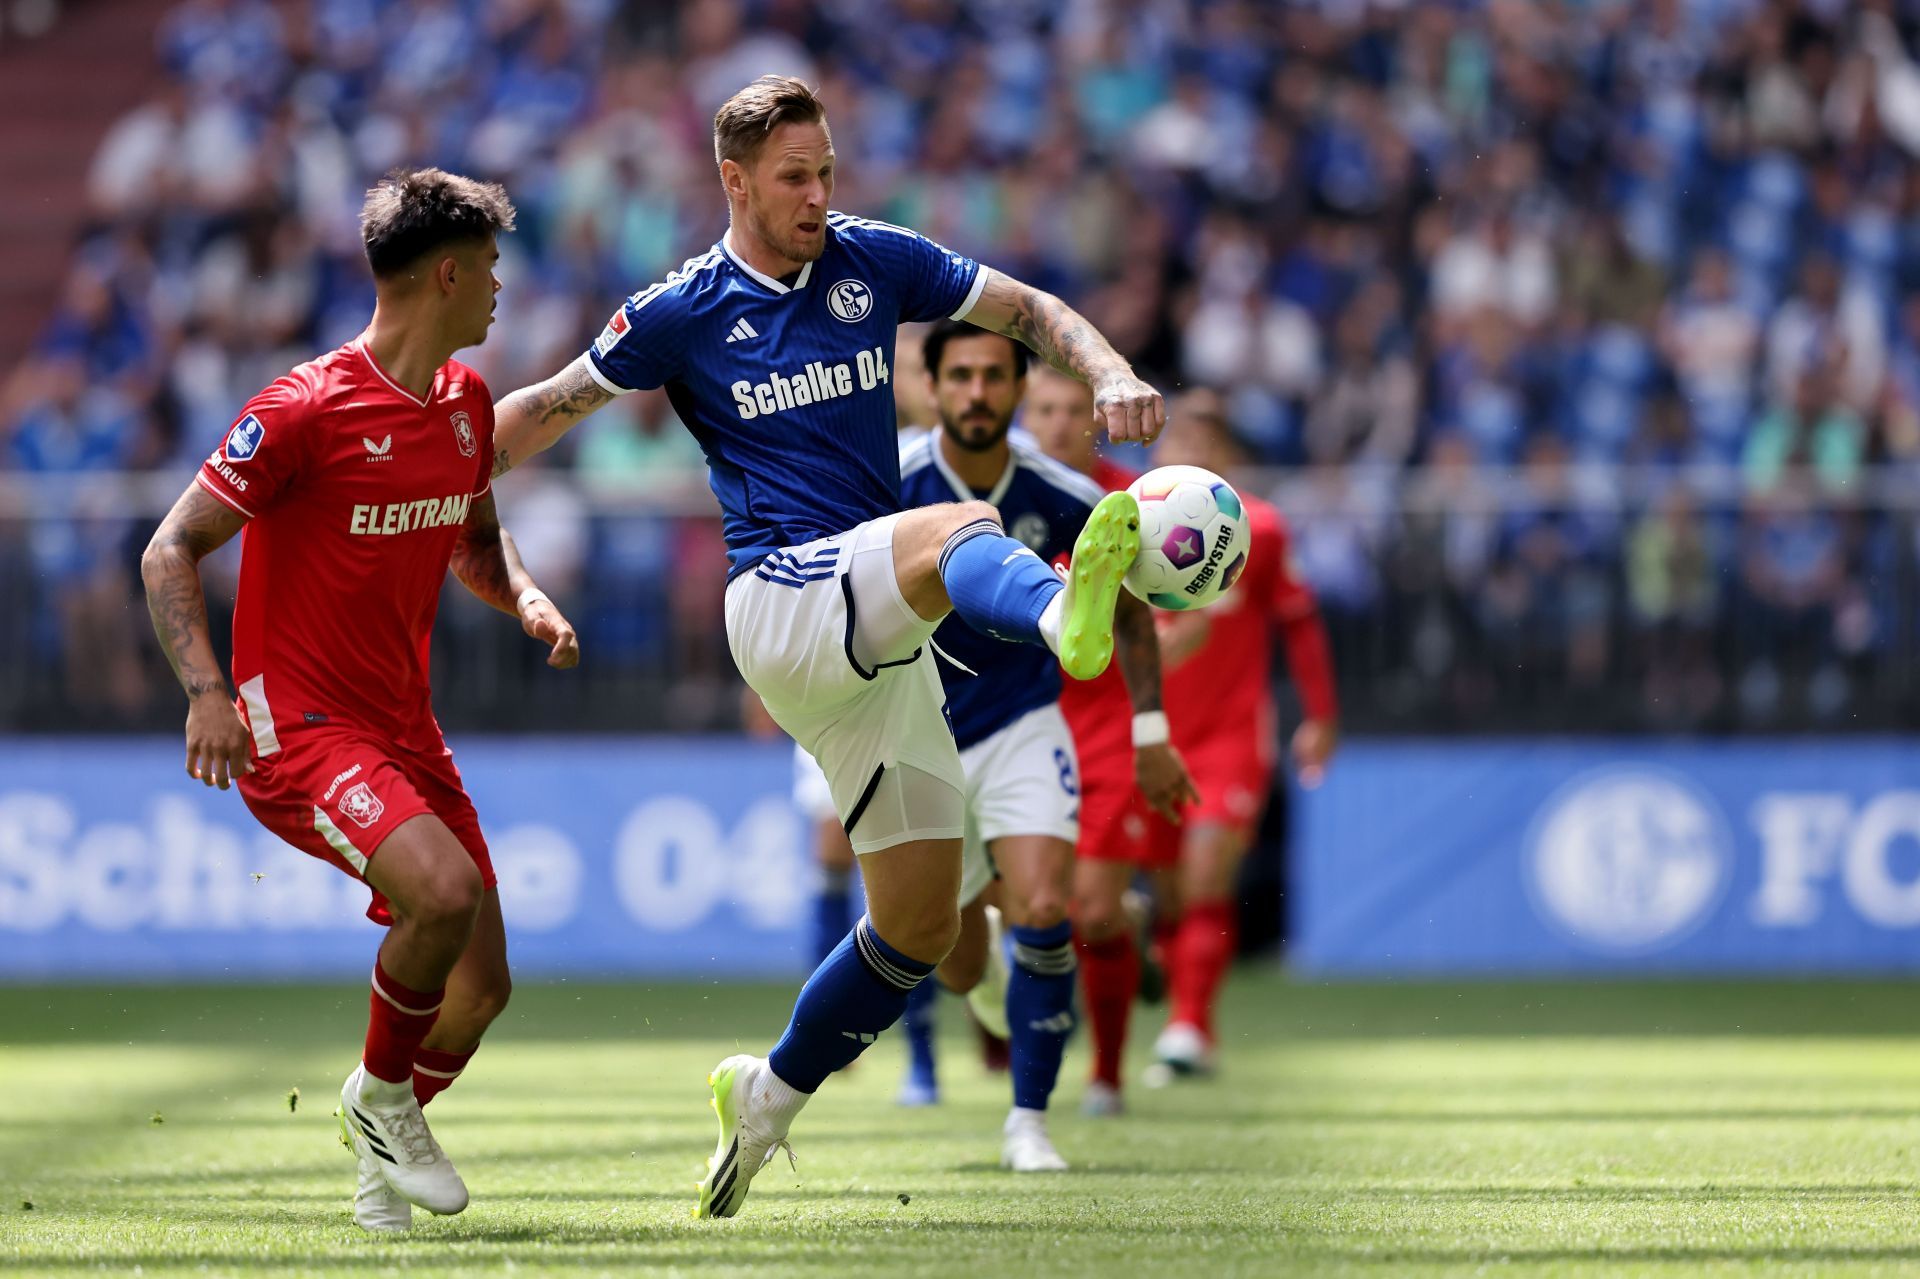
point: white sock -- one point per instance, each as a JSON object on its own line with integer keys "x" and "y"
{"x": 378, "y": 1092}
{"x": 780, "y": 1098}
{"x": 1050, "y": 621}
{"x": 1021, "y": 1116}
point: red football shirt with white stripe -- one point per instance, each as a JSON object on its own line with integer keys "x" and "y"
{"x": 356, "y": 491}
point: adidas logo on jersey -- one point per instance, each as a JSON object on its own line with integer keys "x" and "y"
{"x": 741, "y": 331}
{"x": 817, "y": 382}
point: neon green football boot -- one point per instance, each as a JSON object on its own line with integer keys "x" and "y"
{"x": 1102, "y": 554}
{"x": 748, "y": 1136}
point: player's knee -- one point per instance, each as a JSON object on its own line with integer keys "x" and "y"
{"x": 1042, "y": 908}
{"x": 1097, "y": 916}
{"x": 451, "y": 892}
{"x": 926, "y": 933}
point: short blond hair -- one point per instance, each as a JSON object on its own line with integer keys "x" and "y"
{"x": 743, "y": 123}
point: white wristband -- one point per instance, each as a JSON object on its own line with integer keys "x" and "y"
{"x": 527, "y": 597}
{"x": 1150, "y": 729}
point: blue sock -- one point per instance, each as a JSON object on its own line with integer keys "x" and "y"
{"x": 856, "y": 992}
{"x": 919, "y": 1022}
{"x": 1039, "y": 1010}
{"x": 997, "y": 585}
{"x": 832, "y": 912}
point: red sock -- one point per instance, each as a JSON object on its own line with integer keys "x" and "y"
{"x": 435, "y": 1069}
{"x": 1109, "y": 976}
{"x": 400, "y": 1019}
{"x": 1200, "y": 956}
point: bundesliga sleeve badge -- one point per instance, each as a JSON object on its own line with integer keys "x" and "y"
{"x": 616, "y": 329}
{"x": 244, "y": 440}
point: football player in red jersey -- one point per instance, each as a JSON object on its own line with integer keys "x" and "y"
{"x": 1221, "y": 708}
{"x": 1108, "y": 732}
{"x": 359, "y": 478}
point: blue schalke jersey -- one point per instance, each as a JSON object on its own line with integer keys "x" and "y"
{"x": 787, "y": 385}
{"x": 1044, "y": 505}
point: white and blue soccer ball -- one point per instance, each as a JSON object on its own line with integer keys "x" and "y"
{"x": 1193, "y": 538}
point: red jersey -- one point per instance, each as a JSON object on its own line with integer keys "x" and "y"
{"x": 355, "y": 491}
{"x": 1099, "y": 711}
{"x": 1222, "y": 690}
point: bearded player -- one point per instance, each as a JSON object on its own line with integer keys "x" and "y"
{"x": 773, "y": 347}
{"x": 1125, "y": 751}
{"x": 1221, "y": 710}
{"x": 359, "y": 479}
{"x": 1023, "y": 787}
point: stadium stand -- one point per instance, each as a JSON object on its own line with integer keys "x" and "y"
{"x": 1576, "y": 336}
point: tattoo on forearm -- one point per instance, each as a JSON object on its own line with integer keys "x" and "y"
{"x": 1056, "y": 332}
{"x": 1139, "y": 651}
{"x": 176, "y": 601}
{"x": 178, "y": 606}
{"x": 480, "y": 558}
{"x": 558, "y": 402}
{"x": 502, "y": 462}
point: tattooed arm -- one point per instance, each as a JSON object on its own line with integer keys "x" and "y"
{"x": 488, "y": 564}
{"x": 1126, "y": 406}
{"x": 1157, "y": 767}
{"x": 534, "y": 417}
{"x": 198, "y": 524}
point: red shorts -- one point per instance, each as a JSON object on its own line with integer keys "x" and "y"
{"x": 1113, "y": 815}
{"x": 1233, "y": 773}
{"x": 336, "y": 794}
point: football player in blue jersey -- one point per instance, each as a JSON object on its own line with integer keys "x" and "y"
{"x": 773, "y": 346}
{"x": 1003, "y": 700}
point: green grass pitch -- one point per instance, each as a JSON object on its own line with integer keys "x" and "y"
{"x": 1383, "y": 1130}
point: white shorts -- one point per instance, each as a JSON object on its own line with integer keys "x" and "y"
{"x": 811, "y": 794}
{"x": 1023, "y": 780}
{"x": 822, "y": 633}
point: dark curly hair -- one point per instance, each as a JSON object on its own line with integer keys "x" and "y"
{"x": 411, "y": 212}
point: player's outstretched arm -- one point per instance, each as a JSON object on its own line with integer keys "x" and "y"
{"x": 1128, "y": 408}
{"x": 533, "y": 417}
{"x": 1157, "y": 766}
{"x": 198, "y": 525}
{"x": 488, "y": 564}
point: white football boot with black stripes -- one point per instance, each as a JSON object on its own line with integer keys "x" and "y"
{"x": 376, "y": 1208}
{"x": 384, "y": 1124}
{"x": 751, "y": 1129}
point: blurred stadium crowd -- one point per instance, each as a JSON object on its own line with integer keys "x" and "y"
{"x": 1577, "y": 335}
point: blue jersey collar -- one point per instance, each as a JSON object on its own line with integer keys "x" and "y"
{"x": 765, "y": 281}
{"x": 961, "y": 491}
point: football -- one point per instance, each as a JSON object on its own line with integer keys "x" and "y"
{"x": 1193, "y": 538}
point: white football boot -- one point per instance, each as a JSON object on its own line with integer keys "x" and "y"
{"x": 755, "y": 1108}
{"x": 1183, "y": 1049}
{"x": 376, "y": 1208}
{"x": 988, "y": 998}
{"x": 385, "y": 1125}
{"x": 1101, "y": 1101}
{"x": 1025, "y": 1146}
